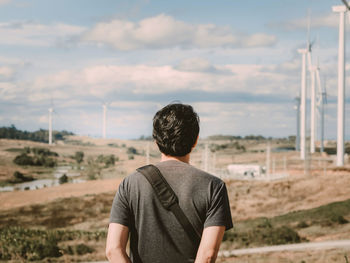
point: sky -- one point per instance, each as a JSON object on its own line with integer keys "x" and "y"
{"x": 235, "y": 62}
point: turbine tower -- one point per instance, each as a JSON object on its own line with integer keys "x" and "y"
{"x": 341, "y": 82}
{"x": 104, "y": 106}
{"x": 50, "y": 125}
{"x": 321, "y": 100}
{"x": 312, "y": 70}
{"x": 303, "y": 52}
{"x": 321, "y": 104}
{"x": 297, "y": 138}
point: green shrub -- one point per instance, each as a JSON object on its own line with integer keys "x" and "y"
{"x": 108, "y": 160}
{"x": 259, "y": 236}
{"x": 23, "y": 159}
{"x": 131, "y": 150}
{"x": 283, "y": 235}
{"x": 302, "y": 224}
{"x": 63, "y": 179}
{"x": 79, "y": 157}
{"x": 82, "y": 249}
{"x": 20, "y": 178}
{"x": 41, "y": 158}
{"x": 43, "y": 152}
{"x": 93, "y": 169}
{"x": 339, "y": 219}
{"x": 22, "y": 245}
{"x": 28, "y": 245}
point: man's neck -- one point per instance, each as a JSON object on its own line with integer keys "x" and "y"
{"x": 184, "y": 159}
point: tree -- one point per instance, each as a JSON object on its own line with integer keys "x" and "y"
{"x": 63, "y": 179}
{"x": 79, "y": 157}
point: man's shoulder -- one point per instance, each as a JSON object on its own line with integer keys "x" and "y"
{"x": 185, "y": 170}
{"x": 177, "y": 169}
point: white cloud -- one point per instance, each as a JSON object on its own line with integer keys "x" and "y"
{"x": 35, "y": 34}
{"x": 243, "y": 118}
{"x": 8, "y": 91}
{"x": 102, "y": 80}
{"x": 164, "y": 31}
{"x": 328, "y": 20}
{"x": 195, "y": 64}
{"x": 4, "y": 2}
{"x": 6, "y": 72}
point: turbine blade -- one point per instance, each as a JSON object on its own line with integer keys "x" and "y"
{"x": 346, "y": 4}
{"x": 308, "y": 26}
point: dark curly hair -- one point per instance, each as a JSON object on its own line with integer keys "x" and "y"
{"x": 175, "y": 129}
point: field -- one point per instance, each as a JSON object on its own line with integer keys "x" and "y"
{"x": 311, "y": 204}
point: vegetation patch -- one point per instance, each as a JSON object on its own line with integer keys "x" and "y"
{"x": 36, "y": 157}
{"x": 17, "y": 243}
{"x": 107, "y": 160}
{"x": 131, "y": 150}
{"x": 38, "y": 136}
{"x": 284, "y": 229}
{"x": 79, "y": 143}
{"x": 231, "y": 145}
{"x": 63, "y": 179}
{"x": 18, "y": 177}
{"x": 262, "y": 235}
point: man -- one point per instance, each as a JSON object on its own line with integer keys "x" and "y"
{"x": 156, "y": 235}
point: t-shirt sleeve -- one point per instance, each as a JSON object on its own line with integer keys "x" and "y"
{"x": 219, "y": 213}
{"x": 120, "y": 212}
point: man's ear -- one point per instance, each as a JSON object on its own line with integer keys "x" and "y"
{"x": 195, "y": 144}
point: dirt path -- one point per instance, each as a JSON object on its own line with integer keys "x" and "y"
{"x": 291, "y": 247}
{"x": 10, "y": 200}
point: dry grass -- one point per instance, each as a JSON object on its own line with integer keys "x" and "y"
{"x": 88, "y": 205}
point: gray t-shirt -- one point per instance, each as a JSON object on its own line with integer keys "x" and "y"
{"x": 156, "y": 235}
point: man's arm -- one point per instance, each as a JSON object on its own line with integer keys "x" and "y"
{"x": 210, "y": 244}
{"x": 117, "y": 239}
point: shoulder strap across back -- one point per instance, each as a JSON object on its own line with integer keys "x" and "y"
{"x": 169, "y": 200}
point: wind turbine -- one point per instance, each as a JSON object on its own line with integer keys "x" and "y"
{"x": 341, "y": 9}
{"x": 312, "y": 70}
{"x": 304, "y": 52}
{"x": 51, "y": 111}
{"x": 321, "y": 109}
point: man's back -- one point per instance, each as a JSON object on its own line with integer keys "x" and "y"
{"x": 156, "y": 235}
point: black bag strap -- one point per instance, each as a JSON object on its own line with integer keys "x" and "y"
{"x": 169, "y": 200}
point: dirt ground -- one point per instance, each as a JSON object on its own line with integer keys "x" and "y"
{"x": 308, "y": 256}
{"x": 319, "y": 185}
{"x": 251, "y": 199}
{"x": 24, "y": 198}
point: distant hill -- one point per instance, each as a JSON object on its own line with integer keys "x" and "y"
{"x": 232, "y": 137}
{"x": 38, "y": 136}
